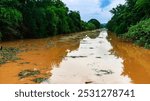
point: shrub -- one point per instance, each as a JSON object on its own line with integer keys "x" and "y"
{"x": 140, "y": 33}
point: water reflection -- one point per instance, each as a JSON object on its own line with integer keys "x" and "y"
{"x": 136, "y": 60}
{"x": 92, "y": 62}
{"x": 37, "y": 54}
{"x": 86, "y": 57}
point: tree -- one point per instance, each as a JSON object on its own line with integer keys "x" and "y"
{"x": 95, "y": 22}
{"x": 38, "y": 18}
{"x": 62, "y": 24}
{"x": 52, "y": 20}
{"x": 10, "y": 20}
{"x": 90, "y": 26}
{"x": 143, "y": 7}
{"x": 74, "y": 21}
{"x": 126, "y": 19}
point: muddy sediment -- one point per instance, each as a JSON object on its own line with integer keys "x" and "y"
{"x": 36, "y": 54}
{"x": 82, "y": 58}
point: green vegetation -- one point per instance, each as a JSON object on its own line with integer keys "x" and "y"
{"x": 27, "y": 73}
{"x": 39, "y": 80}
{"x": 95, "y": 22}
{"x": 131, "y": 20}
{"x": 8, "y": 54}
{"x": 30, "y": 73}
{"x": 140, "y": 33}
{"x": 39, "y": 18}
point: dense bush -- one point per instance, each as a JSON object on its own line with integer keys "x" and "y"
{"x": 0, "y": 36}
{"x": 130, "y": 14}
{"x": 10, "y": 20}
{"x": 95, "y": 22}
{"x": 140, "y": 33}
{"x": 90, "y": 26}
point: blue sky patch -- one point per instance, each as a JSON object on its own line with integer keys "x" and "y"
{"x": 105, "y": 3}
{"x": 98, "y": 9}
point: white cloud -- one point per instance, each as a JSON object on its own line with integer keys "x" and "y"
{"x": 91, "y": 8}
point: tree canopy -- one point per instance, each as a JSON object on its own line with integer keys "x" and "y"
{"x": 127, "y": 19}
{"x": 39, "y": 18}
{"x": 95, "y": 22}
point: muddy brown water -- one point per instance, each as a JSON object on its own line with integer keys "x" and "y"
{"x": 79, "y": 58}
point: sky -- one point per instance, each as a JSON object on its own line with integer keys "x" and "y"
{"x": 98, "y": 9}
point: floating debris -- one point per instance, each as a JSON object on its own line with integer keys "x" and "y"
{"x": 77, "y": 56}
{"x": 106, "y": 71}
{"x": 39, "y": 80}
{"x": 50, "y": 44}
{"x": 27, "y": 73}
{"x": 25, "y": 63}
{"x": 99, "y": 57}
{"x": 8, "y": 54}
{"x": 102, "y": 72}
{"x": 91, "y": 48}
{"x": 88, "y": 82}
